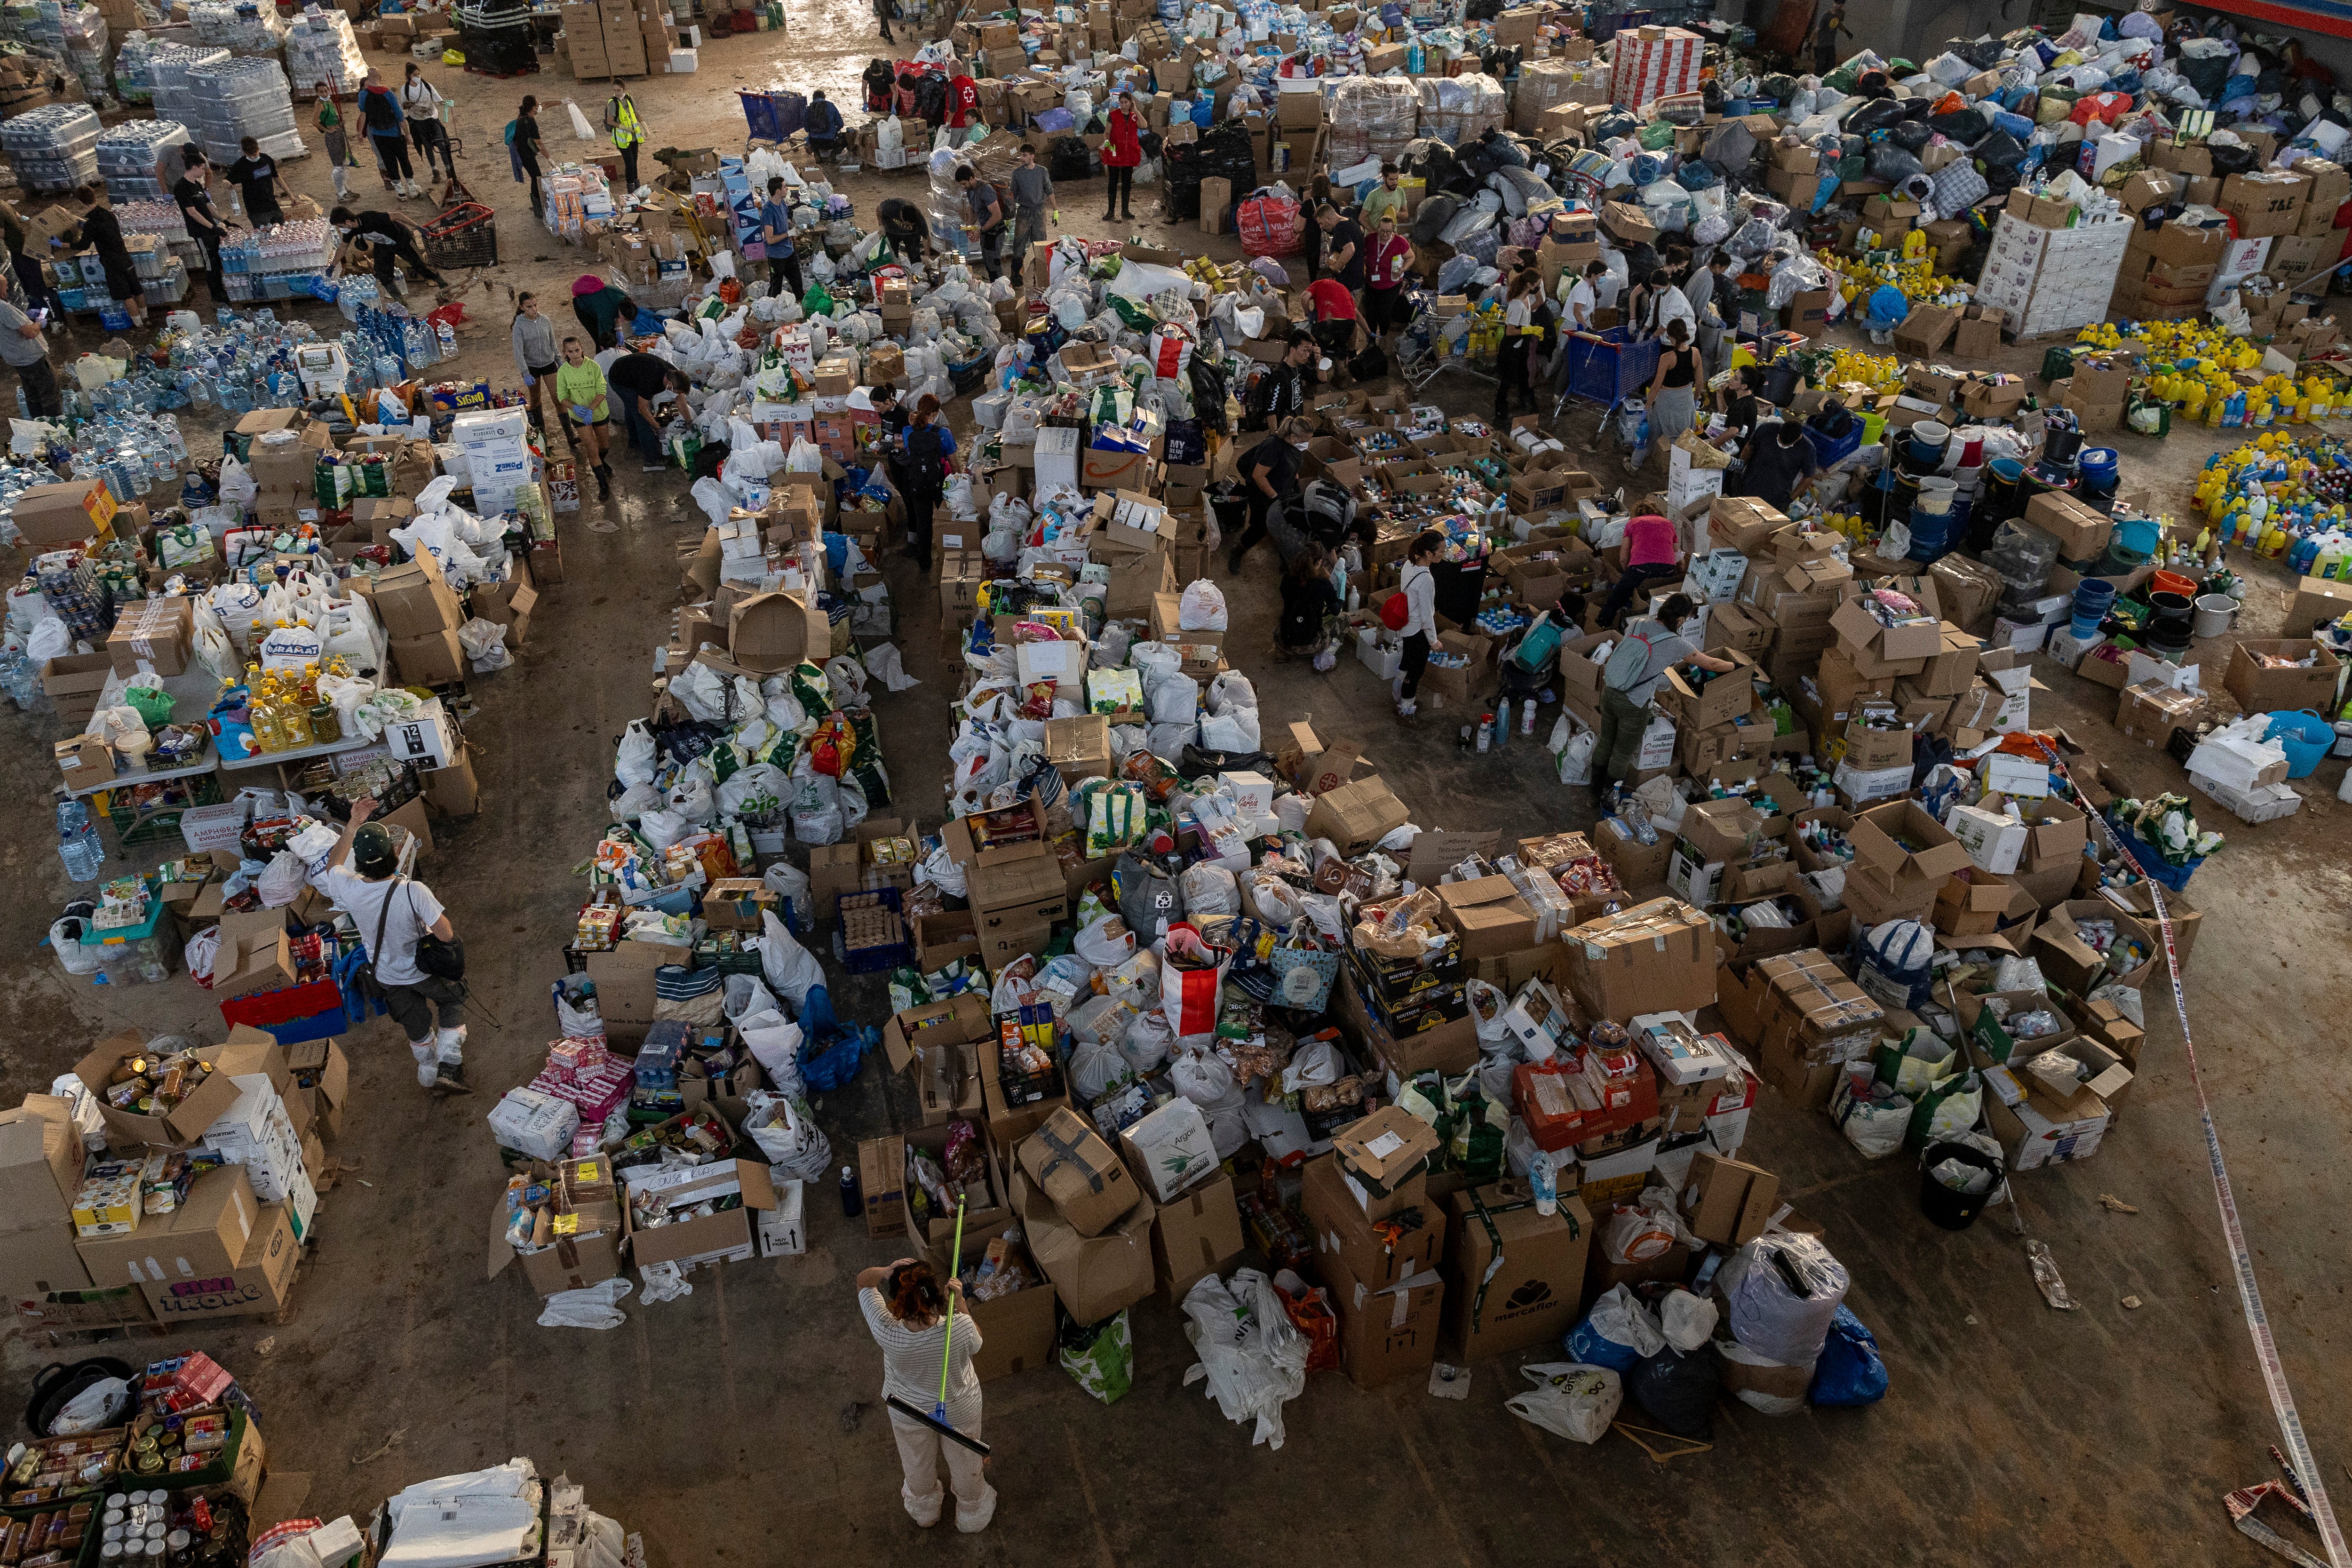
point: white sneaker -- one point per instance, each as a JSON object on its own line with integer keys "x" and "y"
{"x": 427, "y": 1069}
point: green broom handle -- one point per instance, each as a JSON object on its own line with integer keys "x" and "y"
{"x": 955, "y": 1261}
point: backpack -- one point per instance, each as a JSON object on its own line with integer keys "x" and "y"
{"x": 1626, "y": 662}
{"x": 1327, "y": 511}
{"x": 1395, "y": 610}
{"x": 1369, "y": 365}
{"x": 927, "y": 467}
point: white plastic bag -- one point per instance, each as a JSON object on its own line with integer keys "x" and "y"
{"x": 788, "y": 967}
{"x": 1252, "y": 1357}
{"x": 1689, "y": 1320}
{"x": 98, "y": 1406}
{"x": 1201, "y": 607}
{"x": 1570, "y": 1398}
{"x": 597, "y": 1307}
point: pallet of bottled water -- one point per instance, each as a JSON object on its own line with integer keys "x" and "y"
{"x": 54, "y": 147}
{"x": 321, "y": 46}
{"x": 241, "y": 98}
{"x": 240, "y": 28}
{"x": 282, "y": 262}
{"x": 126, "y": 154}
{"x": 168, "y": 65}
{"x": 161, "y": 218}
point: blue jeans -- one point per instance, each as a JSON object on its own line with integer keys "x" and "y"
{"x": 642, "y": 429}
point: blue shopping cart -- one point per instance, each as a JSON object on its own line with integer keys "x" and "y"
{"x": 1604, "y": 368}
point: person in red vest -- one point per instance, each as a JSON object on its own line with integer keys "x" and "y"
{"x": 1121, "y": 154}
{"x": 963, "y": 101}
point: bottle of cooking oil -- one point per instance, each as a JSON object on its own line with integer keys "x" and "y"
{"x": 260, "y": 705}
{"x": 293, "y": 718}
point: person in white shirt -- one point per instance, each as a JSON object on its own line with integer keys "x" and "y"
{"x": 1668, "y": 303}
{"x": 392, "y": 915}
{"x": 421, "y": 102}
{"x": 1418, "y": 583}
{"x": 1585, "y": 298}
{"x": 906, "y": 1311}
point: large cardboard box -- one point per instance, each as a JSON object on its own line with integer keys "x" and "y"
{"x": 2267, "y": 691}
{"x": 1387, "y": 1332}
{"x": 1343, "y": 1231}
{"x": 1354, "y": 817}
{"x": 1534, "y": 1298}
{"x": 1094, "y": 1276}
{"x": 41, "y": 1159}
{"x": 1726, "y": 1201}
{"x": 770, "y": 633}
{"x": 413, "y": 600}
{"x": 729, "y": 1234}
{"x": 41, "y": 1261}
{"x": 1016, "y": 1331}
{"x": 177, "y": 1128}
{"x": 1088, "y": 1185}
{"x": 1488, "y": 916}
{"x": 1193, "y": 1235}
{"x": 1657, "y": 957}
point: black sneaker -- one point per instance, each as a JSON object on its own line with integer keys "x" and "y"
{"x": 449, "y": 1078}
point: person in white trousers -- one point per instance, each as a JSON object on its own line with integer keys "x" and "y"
{"x": 907, "y": 1312}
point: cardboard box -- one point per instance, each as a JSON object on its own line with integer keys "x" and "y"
{"x": 1079, "y": 1172}
{"x": 1387, "y": 1332}
{"x": 1535, "y": 1297}
{"x": 413, "y": 600}
{"x": 882, "y": 1177}
{"x": 2263, "y": 691}
{"x": 66, "y": 513}
{"x": 1657, "y": 957}
{"x": 1193, "y": 1235}
{"x": 1344, "y": 1233}
{"x": 1726, "y": 1201}
{"x": 1356, "y": 815}
{"x": 1169, "y": 1150}
{"x": 1488, "y": 915}
{"x": 177, "y": 1128}
{"x": 41, "y": 1160}
{"x": 1016, "y": 1331}
{"x": 770, "y": 633}
{"x": 1094, "y": 1276}
{"x": 729, "y": 1234}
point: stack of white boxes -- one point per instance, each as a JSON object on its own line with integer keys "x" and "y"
{"x": 2048, "y": 279}
{"x": 258, "y": 1133}
{"x": 1653, "y": 63}
{"x": 497, "y": 444}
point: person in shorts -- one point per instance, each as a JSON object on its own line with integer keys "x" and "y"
{"x": 580, "y": 389}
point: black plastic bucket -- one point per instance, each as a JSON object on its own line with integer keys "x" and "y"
{"x": 1955, "y": 1211}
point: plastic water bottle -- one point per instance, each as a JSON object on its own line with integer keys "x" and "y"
{"x": 77, "y": 843}
{"x": 18, "y": 676}
{"x": 1546, "y": 1183}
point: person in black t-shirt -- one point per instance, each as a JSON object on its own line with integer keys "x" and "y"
{"x": 388, "y": 239}
{"x": 258, "y": 182}
{"x": 1282, "y": 392}
{"x": 1270, "y": 472}
{"x": 1343, "y": 247}
{"x": 205, "y": 225}
{"x": 1309, "y": 603}
{"x": 636, "y": 379}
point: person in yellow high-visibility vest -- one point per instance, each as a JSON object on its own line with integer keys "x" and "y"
{"x": 627, "y": 130}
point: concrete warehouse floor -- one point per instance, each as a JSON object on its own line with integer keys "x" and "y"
{"x": 718, "y": 1425}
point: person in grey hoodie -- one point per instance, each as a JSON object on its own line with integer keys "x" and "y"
{"x": 1032, "y": 197}
{"x": 536, "y": 357}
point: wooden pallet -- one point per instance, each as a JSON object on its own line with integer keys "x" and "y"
{"x": 100, "y": 1336}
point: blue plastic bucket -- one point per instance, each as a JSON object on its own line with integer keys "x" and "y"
{"x": 2093, "y": 599}
{"x": 2097, "y": 465}
{"x": 1931, "y": 533}
{"x": 2305, "y": 737}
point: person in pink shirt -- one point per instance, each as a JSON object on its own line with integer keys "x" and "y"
{"x": 1652, "y": 550}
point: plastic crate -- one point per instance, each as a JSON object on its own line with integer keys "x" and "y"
{"x": 1029, "y": 1087}
{"x": 466, "y": 235}
{"x": 880, "y": 957}
{"x": 1829, "y": 450}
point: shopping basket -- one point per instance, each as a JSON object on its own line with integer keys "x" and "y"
{"x": 466, "y": 235}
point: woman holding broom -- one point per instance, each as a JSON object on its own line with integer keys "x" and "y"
{"x": 910, "y": 1315}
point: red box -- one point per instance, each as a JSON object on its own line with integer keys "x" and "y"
{"x": 1560, "y": 1114}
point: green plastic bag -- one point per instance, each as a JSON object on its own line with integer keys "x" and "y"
{"x": 1656, "y": 136}
{"x": 1133, "y": 313}
{"x": 808, "y": 687}
{"x": 152, "y": 702}
{"x": 1100, "y": 1357}
{"x": 818, "y": 300}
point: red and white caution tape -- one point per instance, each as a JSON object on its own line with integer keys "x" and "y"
{"x": 2242, "y": 1262}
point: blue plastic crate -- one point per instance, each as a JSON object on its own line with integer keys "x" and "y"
{"x": 877, "y": 959}
{"x": 1832, "y": 449}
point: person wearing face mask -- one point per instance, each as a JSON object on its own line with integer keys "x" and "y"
{"x": 388, "y": 240}
{"x": 1270, "y": 474}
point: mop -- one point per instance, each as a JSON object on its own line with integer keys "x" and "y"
{"x": 936, "y": 1417}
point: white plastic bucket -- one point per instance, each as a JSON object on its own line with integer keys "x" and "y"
{"x": 2214, "y": 613}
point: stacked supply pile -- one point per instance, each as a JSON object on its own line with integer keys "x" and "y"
{"x": 2053, "y": 262}
{"x": 240, "y": 29}
{"x": 498, "y": 462}
{"x": 321, "y": 46}
{"x": 53, "y": 148}
{"x": 168, "y": 68}
{"x": 240, "y": 97}
{"x": 280, "y": 261}
{"x": 130, "y": 79}
{"x": 1651, "y": 63}
{"x": 127, "y": 155}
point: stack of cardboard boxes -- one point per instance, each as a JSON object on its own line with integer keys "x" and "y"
{"x": 420, "y": 614}
{"x": 606, "y": 39}
{"x": 122, "y": 1237}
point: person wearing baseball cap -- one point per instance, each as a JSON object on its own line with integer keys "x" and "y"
{"x": 394, "y": 914}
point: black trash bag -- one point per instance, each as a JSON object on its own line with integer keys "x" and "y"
{"x": 2208, "y": 76}
{"x": 1911, "y": 135}
{"x": 1982, "y": 53}
{"x": 1677, "y": 1390}
{"x": 1429, "y": 218}
{"x": 1697, "y": 177}
{"x": 1877, "y": 116}
{"x": 1710, "y": 95}
{"x": 1893, "y": 164}
{"x": 1779, "y": 87}
{"x": 1998, "y": 150}
{"x": 2229, "y": 160}
{"x": 1068, "y": 158}
{"x": 1965, "y": 126}
{"x": 1210, "y": 385}
{"x": 1509, "y": 151}
{"x": 1194, "y": 762}
{"x": 1429, "y": 158}
{"x": 1501, "y": 63}
{"x": 1482, "y": 10}
{"x": 2272, "y": 82}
